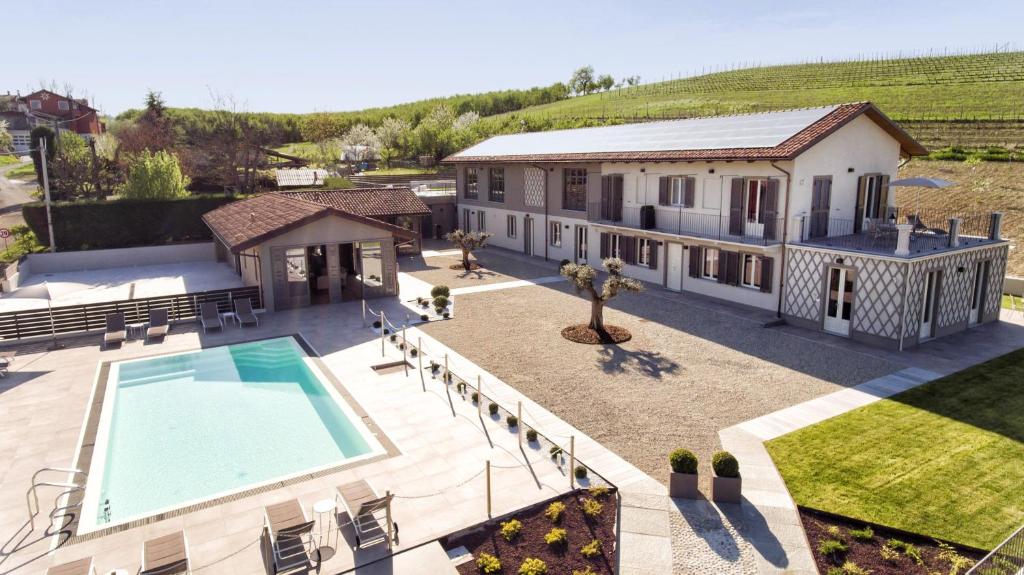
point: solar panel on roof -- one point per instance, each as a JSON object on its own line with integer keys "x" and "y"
{"x": 748, "y": 131}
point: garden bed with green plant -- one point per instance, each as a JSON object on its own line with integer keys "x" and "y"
{"x": 573, "y": 534}
{"x": 846, "y": 547}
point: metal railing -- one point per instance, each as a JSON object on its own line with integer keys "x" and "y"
{"x": 931, "y": 230}
{"x": 69, "y": 487}
{"x": 1006, "y": 559}
{"x": 684, "y": 222}
{"x": 86, "y": 317}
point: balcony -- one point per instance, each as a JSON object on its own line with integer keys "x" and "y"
{"x": 905, "y": 233}
{"x": 684, "y": 222}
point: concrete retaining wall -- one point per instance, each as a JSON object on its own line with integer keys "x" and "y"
{"x": 47, "y": 263}
{"x": 1013, "y": 285}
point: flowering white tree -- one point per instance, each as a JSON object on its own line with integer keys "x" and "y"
{"x": 6, "y": 142}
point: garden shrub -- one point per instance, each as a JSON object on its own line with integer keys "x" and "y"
{"x": 440, "y": 290}
{"x": 531, "y": 435}
{"x": 835, "y": 532}
{"x": 554, "y": 511}
{"x": 386, "y": 331}
{"x": 493, "y": 408}
{"x": 556, "y": 537}
{"x": 598, "y": 491}
{"x": 424, "y": 317}
{"x": 413, "y": 352}
{"x": 555, "y": 451}
{"x": 154, "y": 176}
{"x": 591, "y": 508}
{"x": 580, "y": 472}
{"x": 488, "y": 563}
{"x": 512, "y": 421}
{"x": 445, "y": 315}
{"x": 440, "y": 302}
{"x": 532, "y": 566}
{"x": 562, "y": 264}
{"x": 587, "y": 571}
{"x": 683, "y": 461}
{"x": 889, "y": 554}
{"x": 377, "y": 324}
{"x": 475, "y": 396}
{"x": 591, "y": 549}
{"x": 510, "y": 529}
{"x": 725, "y": 465}
{"x": 393, "y": 337}
{"x": 851, "y": 568}
{"x": 832, "y": 548}
{"x": 957, "y": 562}
{"x": 908, "y": 549}
{"x": 865, "y": 534}
{"x": 434, "y": 366}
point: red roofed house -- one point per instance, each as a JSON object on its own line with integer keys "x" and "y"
{"x": 787, "y": 211}
{"x": 47, "y": 108}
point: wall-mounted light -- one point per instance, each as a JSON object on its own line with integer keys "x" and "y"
{"x": 711, "y": 170}
{"x": 850, "y": 170}
{"x": 960, "y": 270}
{"x": 839, "y": 260}
{"x": 643, "y": 170}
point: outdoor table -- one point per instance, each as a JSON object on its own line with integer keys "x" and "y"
{"x": 328, "y": 507}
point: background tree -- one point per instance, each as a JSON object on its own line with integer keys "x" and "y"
{"x": 152, "y": 130}
{"x": 582, "y": 81}
{"x": 154, "y": 176}
{"x": 468, "y": 242}
{"x": 361, "y": 141}
{"x": 324, "y": 129}
{"x": 582, "y": 277}
{"x": 393, "y": 138}
{"x": 6, "y": 141}
{"x": 605, "y": 82}
{"x": 35, "y": 136}
{"x": 70, "y": 168}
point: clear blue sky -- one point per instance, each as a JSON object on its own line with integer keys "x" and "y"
{"x": 301, "y": 56}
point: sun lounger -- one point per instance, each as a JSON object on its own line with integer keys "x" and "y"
{"x": 370, "y": 513}
{"x": 115, "y": 332}
{"x": 166, "y": 555}
{"x": 158, "y": 325}
{"x": 80, "y": 567}
{"x": 6, "y": 359}
{"x": 244, "y": 313}
{"x": 289, "y": 529}
{"x": 210, "y": 317}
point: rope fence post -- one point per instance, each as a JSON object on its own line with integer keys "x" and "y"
{"x": 405, "y": 350}
{"x": 419, "y": 356}
{"x": 364, "y": 313}
{"x": 446, "y": 379}
{"x": 572, "y": 462}
{"x": 488, "y": 487}
{"x": 383, "y": 322}
{"x": 387, "y": 496}
{"x": 479, "y": 395}
{"x": 519, "y": 424}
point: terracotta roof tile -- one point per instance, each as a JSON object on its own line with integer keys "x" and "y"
{"x": 369, "y": 202}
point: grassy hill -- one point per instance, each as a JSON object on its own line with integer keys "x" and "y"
{"x": 970, "y": 100}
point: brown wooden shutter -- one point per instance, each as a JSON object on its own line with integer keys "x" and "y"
{"x": 723, "y": 260}
{"x": 883, "y": 198}
{"x": 664, "y": 184}
{"x": 766, "y": 273}
{"x": 731, "y": 263}
{"x": 696, "y": 258}
{"x": 605, "y": 242}
{"x": 653, "y": 258}
{"x": 616, "y": 201}
{"x": 606, "y": 197}
{"x": 736, "y": 208}
{"x": 689, "y": 189}
{"x": 771, "y": 209}
{"x": 628, "y": 249}
{"x": 858, "y": 214}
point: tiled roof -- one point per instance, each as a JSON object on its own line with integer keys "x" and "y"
{"x": 370, "y": 202}
{"x": 653, "y": 144}
{"x": 250, "y": 222}
{"x": 301, "y": 177}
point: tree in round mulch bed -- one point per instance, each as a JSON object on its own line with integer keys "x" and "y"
{"x": 582, "y": 277}
{"x": 468, "y": 242}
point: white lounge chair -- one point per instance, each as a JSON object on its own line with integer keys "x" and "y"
{"x": 244, "y": 314}
{"x": 370, "y": 513}
{"x": 158, "y": 325}
{"x": 210, "y": 317}
{"x": 290, "y": 531}
{"x": 115, "y": 331}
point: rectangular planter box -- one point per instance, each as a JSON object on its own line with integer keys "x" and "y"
{"x": 683, "y": 485}
{"x": 726, "y": 489}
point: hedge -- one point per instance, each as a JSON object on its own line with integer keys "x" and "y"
{"x": 83, "y": 225}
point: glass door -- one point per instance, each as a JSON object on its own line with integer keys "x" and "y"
{"x": 839, "y": 304}
{"x": 581, "y": 244}
{"x": 931, "y": 282}
{"x": 978, "y": 292}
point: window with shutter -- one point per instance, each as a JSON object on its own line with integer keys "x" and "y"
{"x": 696, "y": 259}
{"x": 750, "y": 271}
{"x": 643, "y": 256}
{"x": 470, "y": 184}
{"x": 664, "y": 183}
{"x": 709, "y": 266}
{"x": 766, "y": 274}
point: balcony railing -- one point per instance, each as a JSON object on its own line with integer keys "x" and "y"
{"x": 682, "y": 222}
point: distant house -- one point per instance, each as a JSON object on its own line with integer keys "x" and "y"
{"x": 46, "y": 108}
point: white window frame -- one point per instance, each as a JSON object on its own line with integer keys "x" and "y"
{"x": 709, "y": 265}
{"x": 677, "y": 191}
{"x": 759, "y": 197}
{"x": 63, "y": 105}
{"x": 615, "y": 246}
{"x": 510, "y": 226}
{"x": 481, "y": 220}
{"x": 556, "y": 234}
{"x": 643, "y": 252}
{"x": 749, "y": 263}
{"x": 35, "y": 104}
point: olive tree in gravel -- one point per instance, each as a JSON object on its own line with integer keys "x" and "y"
{"x": 468, "y": 242}
{"x": 582, "y": 276}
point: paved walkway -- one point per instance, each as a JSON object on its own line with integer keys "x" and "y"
{"x": 507, "y": 285}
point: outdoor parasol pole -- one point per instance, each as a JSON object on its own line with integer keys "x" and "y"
{"x": 46, "y": 195}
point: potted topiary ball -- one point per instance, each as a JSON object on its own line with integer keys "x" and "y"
{"x": 682, "y": 482}
{"x": 726, "y": 483}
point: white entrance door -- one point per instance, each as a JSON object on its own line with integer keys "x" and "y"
{"x": 581, "y": 244}
{"x": 840, "y": 301}
{"x": 978, "y": 292}
{"x": 674, "y": 266}
{"x": 931, "y": 283}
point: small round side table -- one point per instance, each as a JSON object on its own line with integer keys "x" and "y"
{"x": 328, "y": 507}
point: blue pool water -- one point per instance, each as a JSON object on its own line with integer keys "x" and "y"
{"x": 188, "y": 427}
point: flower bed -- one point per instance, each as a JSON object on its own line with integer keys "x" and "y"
{"x": 848, "y": 547}
{"x": 576, "y": 554}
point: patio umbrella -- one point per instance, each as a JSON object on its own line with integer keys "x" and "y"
{"x": 39, "y": 291}
{"x": 933, "y": 183}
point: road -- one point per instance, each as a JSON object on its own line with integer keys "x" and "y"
{"x": 13, "y": 193}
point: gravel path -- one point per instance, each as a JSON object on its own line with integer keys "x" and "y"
{"x": 705, "y": 542}
{"x": 687, "y": 373}
{"x": 496, "y": 269}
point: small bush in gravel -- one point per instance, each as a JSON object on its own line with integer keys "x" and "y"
{"x": 440, "y": 290}
{"x": 591, "y": 549}
{"x": 434, "y": 366}
{"x": 488, "y": 563}
{"x": 591, "y": 508}
{"x": 532, "y": 566}
{"x": 908, "y": 549}
{"x": 555, "y": 451}
{"x": 588, "y": 571}
{"x": 725, "y": 465}
{"x": 835, "y": 532}
{"x": 554, "y": 511}
{"x": 556, "y": 537}
{"x": 512, "y": 421}
{"x": 580, "y": 472}
{"x": 475, "y": 397}
{"x": 377, "y": 324}
{"x": 832, "y": 548}
{"x": 865, "y": 534}
{"x": 446, "y": 315}
{"x": 889, "y": 554}
{"x": 424, "y": 317}
{"x": 386, "y": 331}
{"x": 440, "y": 302}
{"x": 849, "y": 568}
{"x": 393, "y": 337}
{"x": 510, "y": 529}
{"x": 598, "y": 491}
{"x": 683, "y": 461}
{"x": 493, "y": 408}
{"x": 531, "y": 435}
{"x": 413, "y": 352}
{"x": 460, "y": 387}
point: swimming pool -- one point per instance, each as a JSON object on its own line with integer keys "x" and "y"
{"x": 179, "y": 429}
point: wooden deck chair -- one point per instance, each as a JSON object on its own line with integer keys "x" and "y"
{"x": 115, "y": 331}
{"x": 369, "y": 512}
{"x": 210, "y": 317}
{"x": 290, "y": 530}
{"x": 166, "y": 555}
{"x": 158, "y": 325}
{"x": 244, "y": 313}
{"x": 81, "y": 567}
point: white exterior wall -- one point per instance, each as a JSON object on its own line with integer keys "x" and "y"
{"x": 861, "y": 145}
{"x": 57, "y": 262}
{"x": 738, "y": 294}
{"x": 495, "y": 223}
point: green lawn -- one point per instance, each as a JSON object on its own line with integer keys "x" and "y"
{"x": 945, "y": 459}
{"x": 25, "y": 171}
{"x": 400, "y": 172}
{"x": 6, "y": 159}
{"x": 1006, "y": 301}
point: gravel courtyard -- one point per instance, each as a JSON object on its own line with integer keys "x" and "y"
{"x": 692, "y": 368}
{"x": 496, "y": 269}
